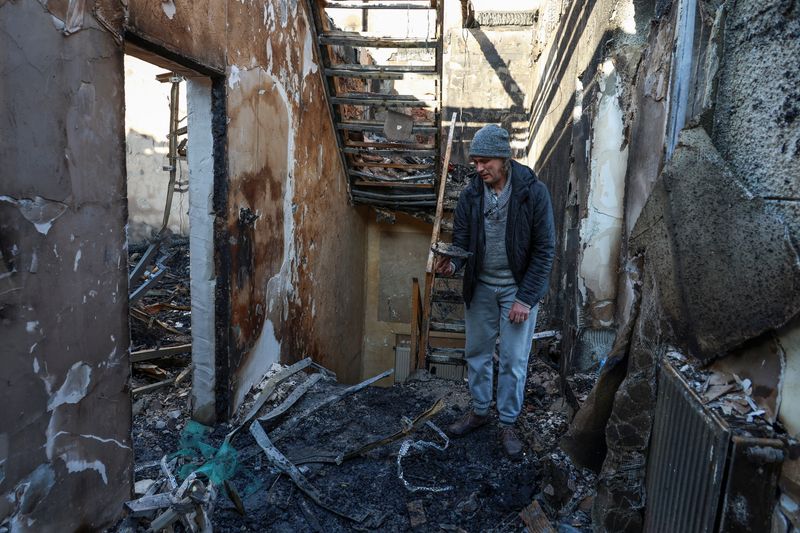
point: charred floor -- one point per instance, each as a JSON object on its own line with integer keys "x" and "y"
{"x": 373, "y": 459}
{"x": 219, "y": 225}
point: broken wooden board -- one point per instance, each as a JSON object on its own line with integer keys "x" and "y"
{"x": 404, "y": 432}
{"x": 146, "y": 355}
{"x": 296, "y": 394}
{"x": 146, "y": 504}
{"x": 267, "y": 391}
{"x": 535, "y": 519}
{"x": 277, "y": 459}
{"x": 292, "y": 422}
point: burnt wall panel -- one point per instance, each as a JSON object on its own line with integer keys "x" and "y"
{"x": 586, "y": 54}
{"x": 295, "y": 246}
{"x": 66, "y": 413}
{"x": 193, "y": 29}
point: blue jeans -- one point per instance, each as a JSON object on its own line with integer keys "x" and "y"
{"x": 486, "y": 318}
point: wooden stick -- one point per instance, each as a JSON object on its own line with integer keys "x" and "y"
{"x": 430, "y": 274}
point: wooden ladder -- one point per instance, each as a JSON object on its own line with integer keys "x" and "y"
{"x": 438, "y": 290}
{"x": 395, "y": 174}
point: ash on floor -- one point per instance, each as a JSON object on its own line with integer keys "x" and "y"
{"x": 476, "y": 487}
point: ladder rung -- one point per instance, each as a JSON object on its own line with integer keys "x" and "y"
{"x": 446, "y": 355}
{"x": 390, "y": 153}
{"x": 452, "y": 327}
{"x": 400, "y": 69}
{"x": 377, "y": 126}
{"x": 358, "y": 39}
{"x": 394, "y": 197}
{"x": 394, "y": 146}
{"x": 385, "y": 101}
{"x": 364, "y": 183}
{"x": 383, "y": 74}
{"x": 381, "y": 5}
{"x": 394, "y": 203}
{"x": 457, "y": 275}
{"x": 447, "y": 297}
{"x": 393, "y": 179}
{"x": 405, "y": 166}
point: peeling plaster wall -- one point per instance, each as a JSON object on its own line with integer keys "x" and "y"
{"x": 586, "y": 57}
{"x": 715, "y": 223}
{"x": 601, "y": 229}
{"x": 65, "y": 446}
{"x": 201, "y": 247}
{"x": 296, "y": 247}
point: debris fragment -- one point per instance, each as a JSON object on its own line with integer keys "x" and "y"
{"x": 279, "y": 461}
{"x": 406, "y": 430}
{"x": 422, "y": 445}
{"x": 535, "y": 519}
{"x": 416, "y": 513}
{"x": 292, "y": 399}
{"x": 292, "y": 422}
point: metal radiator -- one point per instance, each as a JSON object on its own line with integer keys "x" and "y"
{"x": 702, "y": 475}
{"x": 402, "y": 363}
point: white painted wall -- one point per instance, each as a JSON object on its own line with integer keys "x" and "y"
{"x": 146, "y": 129}
{"x": 201, "y": 247}
{"x": 601, "y": 230}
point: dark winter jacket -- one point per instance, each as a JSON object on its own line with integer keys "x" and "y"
{"x": 530, "y": 234}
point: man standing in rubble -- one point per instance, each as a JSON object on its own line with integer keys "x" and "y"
{"x": 505, "y": 218}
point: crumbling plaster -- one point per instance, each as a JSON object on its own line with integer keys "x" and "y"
{"x": 587, "y": 55}
{"x": 601, "y": 228}
{"x": 66, "y": 426}
{"x": 718, "y": 241}
{"x": 294, "y": 240}
{"x": 65, "y": 423}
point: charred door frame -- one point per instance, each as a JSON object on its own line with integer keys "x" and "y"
{"x": 166, "y": 58}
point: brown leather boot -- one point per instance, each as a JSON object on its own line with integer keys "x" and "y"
{"x": 511, "y": 443}
{"x": 467, "y": 423}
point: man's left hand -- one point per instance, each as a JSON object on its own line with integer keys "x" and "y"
{"x": 518, "y": 314}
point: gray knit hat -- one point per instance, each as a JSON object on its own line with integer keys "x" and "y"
{"x": 490, "y": 141}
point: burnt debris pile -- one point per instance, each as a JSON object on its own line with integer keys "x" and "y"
{"x": 306, "y": 453}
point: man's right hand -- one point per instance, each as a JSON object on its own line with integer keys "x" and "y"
{"x": 444, "y": 266}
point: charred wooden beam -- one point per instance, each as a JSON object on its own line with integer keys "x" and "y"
{"x": 377, "y": 127}
{"x": 405, "y": 166}
{"x": 384, "y": 100}
{"x": 378, "y": 5}
{"x": 404, "y": 185}
{"x": 344, "y": 38}
{"x": 146, "y": 355}
{"x": 390, "y": 153}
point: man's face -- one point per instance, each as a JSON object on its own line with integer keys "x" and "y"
{"x": 490, "y": 169}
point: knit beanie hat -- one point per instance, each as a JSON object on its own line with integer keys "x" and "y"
{"x": 490, "y": 141}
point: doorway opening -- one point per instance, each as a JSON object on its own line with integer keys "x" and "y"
{"x": 172, "y": 150}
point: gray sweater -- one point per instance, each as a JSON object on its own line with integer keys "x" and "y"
{"x": 495, "y": 268}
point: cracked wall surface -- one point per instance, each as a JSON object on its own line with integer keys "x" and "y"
{"x": 294, "y": 284}
{"x": 715, "y": 221}
{"x": 65, "y": 423}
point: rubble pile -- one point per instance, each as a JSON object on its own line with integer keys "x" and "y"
{"x": 162, "y": 317}
{"x": 306, "y": 453}
{"x": 161, "y": 323}
{"x": 458, "y": 177}
{"x": 732, "y": 396}
{"x": 567, "y": 490}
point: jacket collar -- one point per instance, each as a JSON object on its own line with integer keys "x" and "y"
{"x": 521, "y": 178}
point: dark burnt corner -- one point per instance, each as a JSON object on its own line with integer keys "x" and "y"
{"x": 230, "y": 320}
